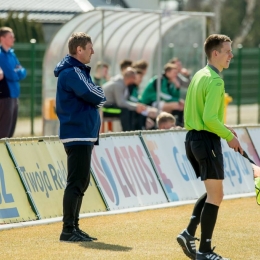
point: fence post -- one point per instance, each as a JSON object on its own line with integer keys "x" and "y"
{"x": 239, "y": 78}
{"x": 32, "y": 41}
{"x": 159, "y": 61}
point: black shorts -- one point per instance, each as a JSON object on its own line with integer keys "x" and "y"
{"x": 204, "y": 152}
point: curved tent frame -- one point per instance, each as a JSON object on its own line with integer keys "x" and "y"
{"x": 134, "y": 34}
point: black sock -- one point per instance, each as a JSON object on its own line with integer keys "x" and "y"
{"x": 208, "y": 220}
{"x": 195, "y": 218}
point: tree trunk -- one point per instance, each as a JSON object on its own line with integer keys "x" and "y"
{"x": 246, "y": 24}
{"x": 215, "y": 25}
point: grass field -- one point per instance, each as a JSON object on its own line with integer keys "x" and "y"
{"x": 143, "y": 235}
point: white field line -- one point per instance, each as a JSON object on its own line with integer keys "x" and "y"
{"x": 120, "y": 211}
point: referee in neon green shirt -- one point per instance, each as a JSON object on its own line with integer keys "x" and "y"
{"x": 204, "y": 118}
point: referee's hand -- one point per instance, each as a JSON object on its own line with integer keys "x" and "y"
{"x": 234, "y": 144}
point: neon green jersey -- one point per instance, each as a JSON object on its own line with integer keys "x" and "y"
{"x": 204, "y": 104}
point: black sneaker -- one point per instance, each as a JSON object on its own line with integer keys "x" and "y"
{"x": 210, "y": 255}
{"x": 74, "y": 236}
{"x": 187, "y": 243}
{"x": 84, "y": 234}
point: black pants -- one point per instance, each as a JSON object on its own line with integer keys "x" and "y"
{"x": 125, "y": 117}
{"x": 8, "y": 116}
{"x": 137, "y": 121}
{"x": 179, "y": 117}
{"x": 79, "y": 159}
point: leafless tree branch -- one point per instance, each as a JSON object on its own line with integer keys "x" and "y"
{"x": 246, "y": 24}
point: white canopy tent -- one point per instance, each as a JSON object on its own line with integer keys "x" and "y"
{"x": 117, "y": 34}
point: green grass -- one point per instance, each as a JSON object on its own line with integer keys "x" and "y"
{"x": 143, "y": 235}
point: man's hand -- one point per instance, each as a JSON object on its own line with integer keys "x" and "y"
{"x": 152, "y": 112}
{"x": 234, "y": 144}
{"x": 140, "y": 108}
{"x": 185, "y": 72}
{"x": 149, "y": 123}
{"x": 181, "y": 104}
{"x": 1, "y": 74}
{"x": 169, "y": 106}
{"x": 232, "y": 130}
{"x": 176, "y": 83}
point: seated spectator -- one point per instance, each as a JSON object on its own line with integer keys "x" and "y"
{"x": 124, "y": 64}
{"x": 165, "y": 121}
{"x": 117, "y": 105}
{"x": 133, "y": 89}
{"x": 101, "y": 75}
{"x": 140, "y": 121}
{"x": 183, "y": 75}
{"x": 169, "y": 97}
{"x": 140, "y": 65}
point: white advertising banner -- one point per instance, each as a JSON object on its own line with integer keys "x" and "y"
{"x": 125, "y": 174}
{"x": 238, "y": 170}
{"x": 254, "y": 133}
{"x": 168, "y": 153}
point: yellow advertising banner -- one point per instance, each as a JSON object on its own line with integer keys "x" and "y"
{"x": 42, "y": 164}
{"x": 92, "y": 201}
{"x": 14, "y": 204}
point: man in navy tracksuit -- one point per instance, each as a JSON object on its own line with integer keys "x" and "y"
{"x": 77, "y": 102}
{"x": 12, "y": 73}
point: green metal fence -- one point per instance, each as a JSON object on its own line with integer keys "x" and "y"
{"x": 30, "y": 56}
{"x": 242, "y": 79}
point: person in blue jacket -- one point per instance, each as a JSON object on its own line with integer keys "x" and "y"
{"x": 77, "y": 102}
{"x": 13, "y": 72}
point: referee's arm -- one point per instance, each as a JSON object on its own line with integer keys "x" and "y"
{"x": 214, "y": 112}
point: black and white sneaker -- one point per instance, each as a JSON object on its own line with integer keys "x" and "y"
{"x": 84, "y": 234}
{"x": 187, "y": 243}
{"x": 210, "y": 255}
{"x": 74, "y": 236}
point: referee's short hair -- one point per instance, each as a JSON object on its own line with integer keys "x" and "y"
{"x": 214, "y": 42}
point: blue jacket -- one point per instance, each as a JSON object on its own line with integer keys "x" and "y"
{"x": 13, "y": 72}
{"x": 77, "y": 102}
